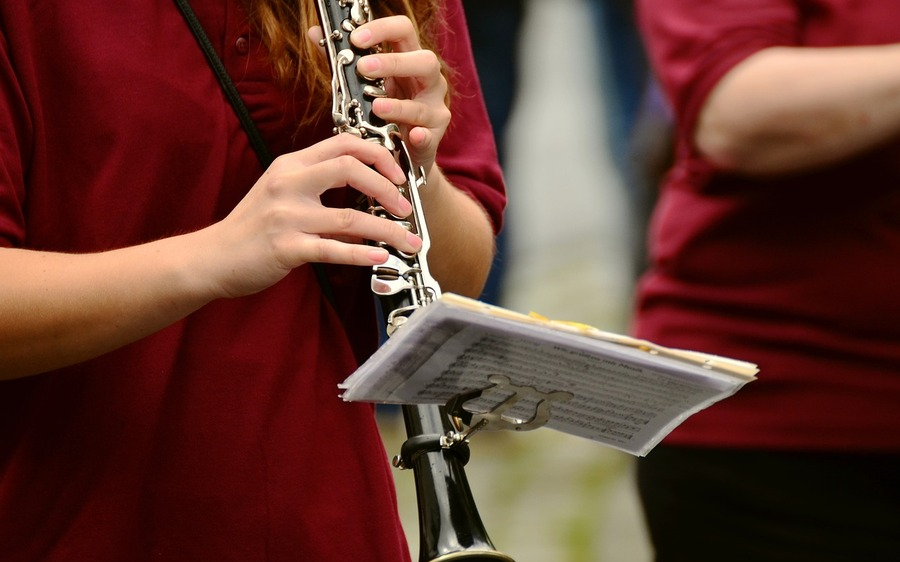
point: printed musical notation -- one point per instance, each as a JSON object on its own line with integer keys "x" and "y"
{"x": 515, "y": 368}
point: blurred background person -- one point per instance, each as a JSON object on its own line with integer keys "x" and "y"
{"x": 773, "y": 241}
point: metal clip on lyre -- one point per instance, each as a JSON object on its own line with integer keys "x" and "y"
{"x": 511, "y": 404}
{"x": 449, "y": 524}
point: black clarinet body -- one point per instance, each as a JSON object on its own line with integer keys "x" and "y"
{"x": 449, "y": 524}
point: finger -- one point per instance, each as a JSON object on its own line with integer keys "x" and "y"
{"x": 422, "y": 146}
{"x": 337, "y": 162}
{"x": 315, "y": 34}
{"x": 370, "y": 153}
{"x": 340, "y": 171}
{"x": 325, "y": 250}
{"x": 423, "y": 66}
{"x": 413, "y": 113}
{"x": 347, "y": 170}
{"x": 420, "y": 139}
{"x": 397, "y": 31}
{"x": 342, "y": 223}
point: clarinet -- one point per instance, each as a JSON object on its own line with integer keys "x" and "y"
{"x": 435, "y": 449}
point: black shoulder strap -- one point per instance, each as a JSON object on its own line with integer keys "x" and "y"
{"x": 256, "y": 140}
{"x": 234, "y": 98}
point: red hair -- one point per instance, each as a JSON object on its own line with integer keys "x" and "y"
{"x": 283, "y": 25}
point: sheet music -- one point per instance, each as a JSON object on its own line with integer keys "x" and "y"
{"x": 619, "y": 395}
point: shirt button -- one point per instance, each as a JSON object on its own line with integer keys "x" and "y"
{"x": 242, "y": 45}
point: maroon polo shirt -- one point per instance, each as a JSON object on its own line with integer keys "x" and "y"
{"x": 221, "y": 437}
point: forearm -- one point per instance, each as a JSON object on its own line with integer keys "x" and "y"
{"x": 60, "y": 309}
{"x": 462, "y": 245}
{"x": 790, "y": 109}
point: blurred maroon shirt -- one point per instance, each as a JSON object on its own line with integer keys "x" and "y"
{"x": 795, "y": 273}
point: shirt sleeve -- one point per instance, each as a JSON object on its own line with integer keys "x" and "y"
{"x": 692, "y": 44}
{"x": 468, "y": 153}
{"x": 15, "y": 144}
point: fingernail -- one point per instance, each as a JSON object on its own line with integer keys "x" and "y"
{"x": 368, "y": 64}
{"x": 378, "y": 255}
{"x": 361, "y": 36}
{"x": 414, "y": 241}
{"x": 383, "y": 106}
{"x": 405, "y": 205}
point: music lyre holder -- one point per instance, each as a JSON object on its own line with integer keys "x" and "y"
{"x": 467, "y": 423}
